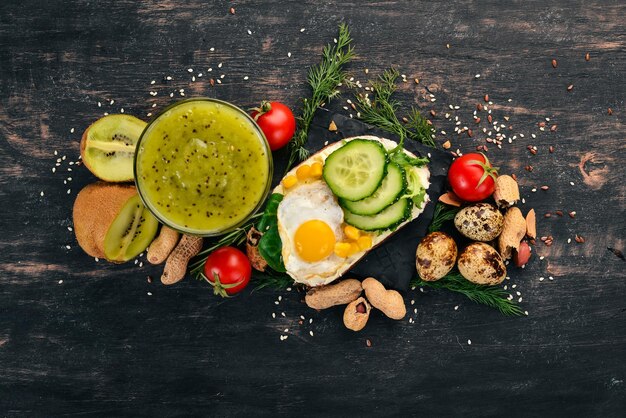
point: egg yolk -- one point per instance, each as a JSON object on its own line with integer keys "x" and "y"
{"x": 314, "y": 240}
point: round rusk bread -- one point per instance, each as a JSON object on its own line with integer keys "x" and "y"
{"x": 95, "y": 208}
{"x": 377, "y": 238}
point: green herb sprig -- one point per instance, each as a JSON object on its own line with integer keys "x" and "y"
{"x": 381, "y": 111}
{"x": 324, "y": 79}
{"x": 442, "y": 214}
{"x": 493, "y": 296}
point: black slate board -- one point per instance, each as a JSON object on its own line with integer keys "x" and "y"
{"x": 392, "y": 262}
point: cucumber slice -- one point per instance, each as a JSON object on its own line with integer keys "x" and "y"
{"x": 355, "y": 170}
{"x": 389, "y": 218}
{"x": 390, "y": 190}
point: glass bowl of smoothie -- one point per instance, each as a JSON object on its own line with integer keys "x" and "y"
{"x": 203, "y": 167}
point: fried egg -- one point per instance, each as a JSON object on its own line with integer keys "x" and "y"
{"x": 309, "y": 224}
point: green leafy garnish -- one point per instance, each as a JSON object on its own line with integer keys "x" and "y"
{"x": 324, "y": 79}
{"x": 381, "y": 111}
{"x": 493, "y": 296}
{"x": 443, "y": 213}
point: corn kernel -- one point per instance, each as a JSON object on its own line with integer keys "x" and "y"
{"x": 303, "y": 172}
{"x": 354, "y": 248}
{"x": 289, "y": 181}
{"x": 351, "y": 232}
{"x": 316, "y": 170}
{"x": 342, "y": 249}
{"x": 364, "y": 242}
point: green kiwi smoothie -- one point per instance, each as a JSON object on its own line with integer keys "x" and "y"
{"x": 203, "y": 166}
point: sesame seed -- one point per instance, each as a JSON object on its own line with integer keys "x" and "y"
{"x": 211, "y": 49}
{"x": 69, "y": 228}
{"x": 469, "y": 342}
{"x": 310, "y": 320}
{"x": 274, "y": 315}
{"x": 571, "y": 183}
{"x": 276, "y": 302}
{"x": 541, "y": 279}
{"x": 99, "y": 104}
{"x": 190, "y": 70}
{"x": 456, "y": 308}
{"x": 41, "y": 194}
{"x": 550, "y": 278}
{"x": 311, "y": 333}
{"x": 111, "y": 102}
{"x": 69, "y": 191}
{"x": 302, "y": 30}
{"x": 288, "y": 289}
{"x": 477, "y": 76}
{"x": 72, "y": 130}
{"x": 569, "y": 240}
{"x": 283, "y": 314}
{"x": 60, "y": 281}
{"x": 289, "y": 54}
{"x": 413, "y": 302}
{"x": 169, "y": 78}
{"x": 219, "y": 81}
{"x": 245, "y": 78}
{"x": 249, "y": 32}
{"x": 122, "y": 110}
{"x": 96, "y": 259}
{"x": 68, "y": 247}
{"x": 153, "y": 81}
{"x": 526, "y": 313}
{"x": 141, "y": 264}
{"x": 541, "y": 258}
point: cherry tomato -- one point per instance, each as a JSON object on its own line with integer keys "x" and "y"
{"x": 277, "y": 123}
{"x": 472, "y": 177}
{"x": 228, "y": 270}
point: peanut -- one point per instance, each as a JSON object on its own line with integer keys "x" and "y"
{"x": 522, "y": 255}
{"x": 324, "y": 297}
{"x": 176, "y": 264}
{"x": 163, "y": 245}
{"x": 356, "y": 314}
{"x": 531, "y": 224}
{"x": 390, "y": 302}
{"x": 507, "y": 191}
{"x": 512, "y": 233}
{"x": 252, "y": 250}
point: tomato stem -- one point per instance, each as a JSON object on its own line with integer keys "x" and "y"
{"x": 263, "y": 108}
{"x": 489, "y": 171}
{"x": 220, "y": 288}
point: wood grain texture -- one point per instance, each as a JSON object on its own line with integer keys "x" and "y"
{"x": 98, "y": 344}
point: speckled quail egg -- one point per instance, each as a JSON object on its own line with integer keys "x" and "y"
{"x": 480, "y": 263}
{"x": 479, "y": 222}
{"x": 435, "y": 257}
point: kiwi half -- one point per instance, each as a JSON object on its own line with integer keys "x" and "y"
{"x": 108, "y": 147}
{"x": 131, "y": 232}
{"x": 95, "y": 208}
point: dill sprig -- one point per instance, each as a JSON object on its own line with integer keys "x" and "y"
{"x": 271, "y": 280}
{"x": 493, "y": 296}
{"x": 381, "y": 111}
{"x": 442, "y": 214}
{"x": 324, "y": 79}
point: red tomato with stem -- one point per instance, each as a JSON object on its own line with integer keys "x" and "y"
{"x": 277, "y": 123}
{"x": 472, "y": 177}
{"x": 228, "y": 270}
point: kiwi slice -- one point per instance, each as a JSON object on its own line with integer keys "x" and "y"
{"x": 131, "y": 232}
{"x": 108, "y": 147}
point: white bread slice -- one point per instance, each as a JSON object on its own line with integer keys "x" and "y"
{"x": 377, "y": 238}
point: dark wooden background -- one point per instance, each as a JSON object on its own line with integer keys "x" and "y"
{"x": 84, "y": 338}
